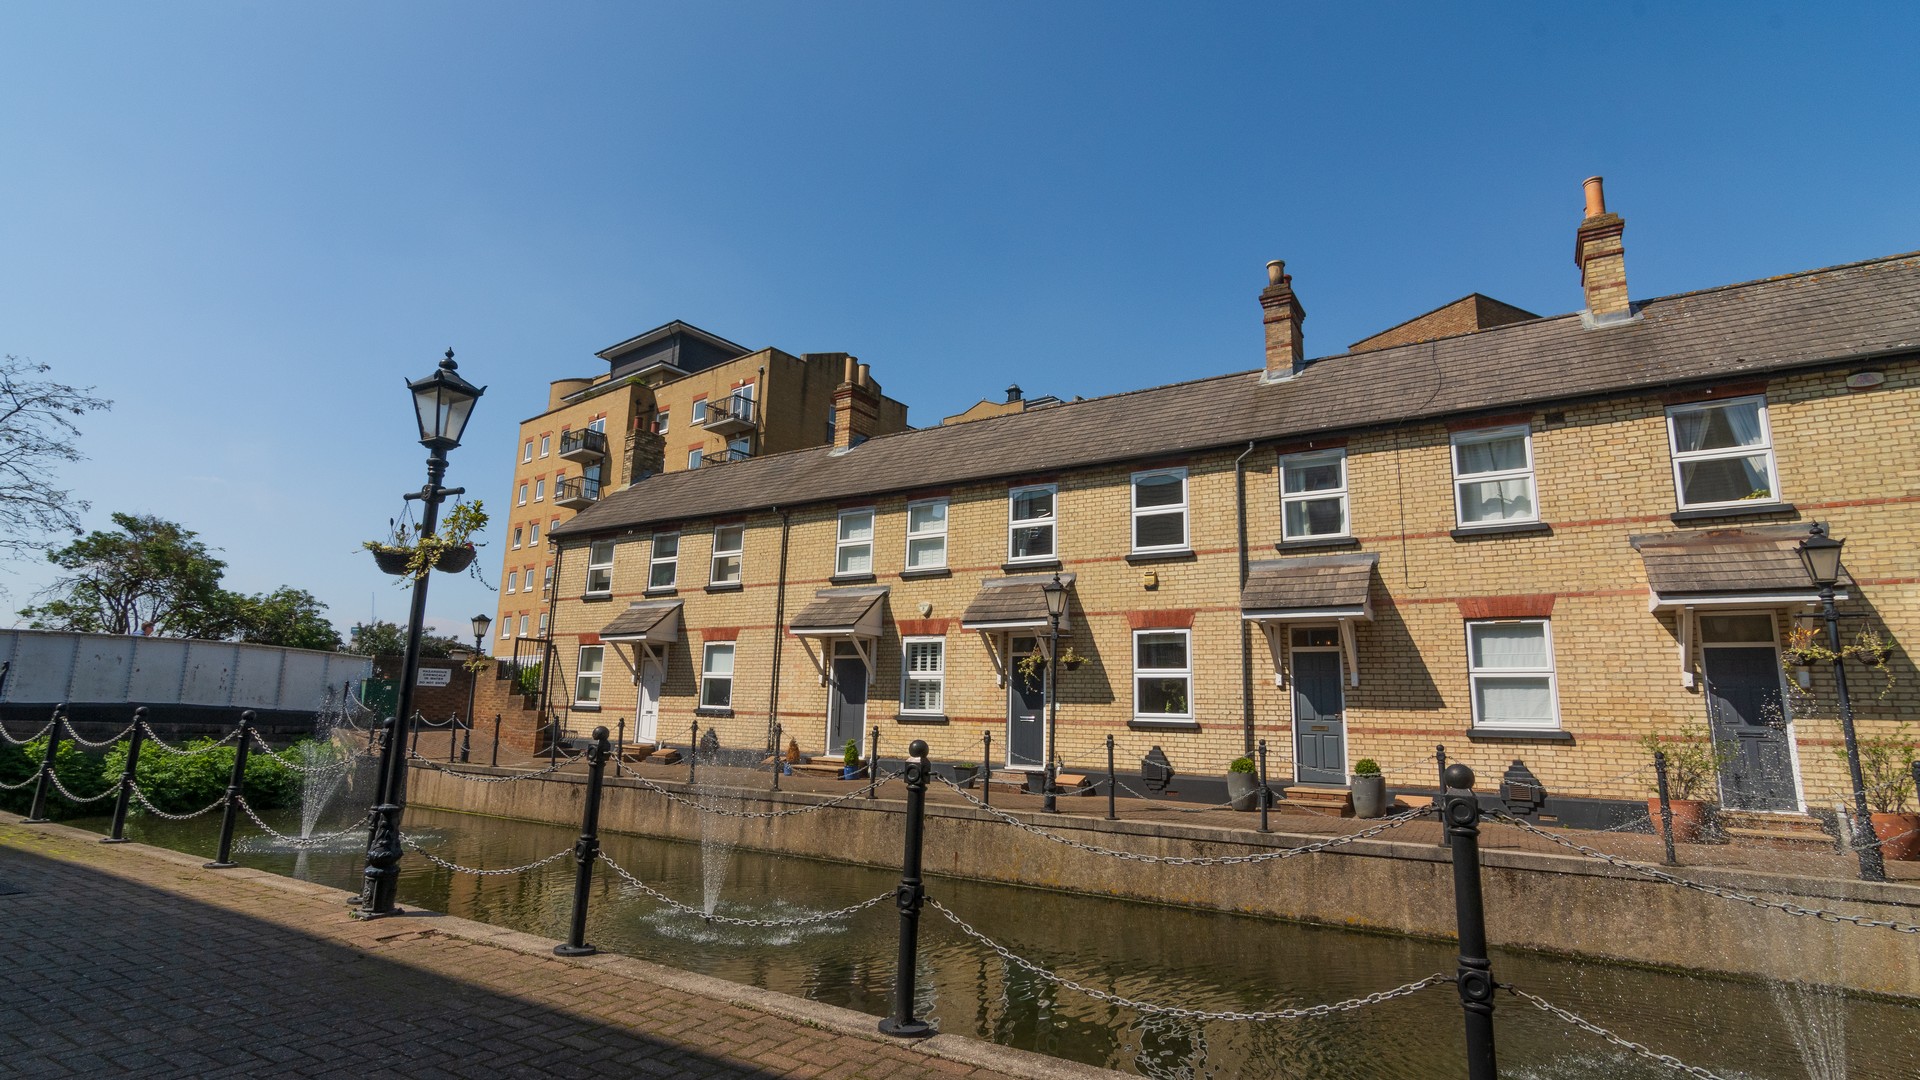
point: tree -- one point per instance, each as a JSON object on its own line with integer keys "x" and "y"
{"x": 382, "y": 638}
{"x": 286, "y": 616}
{"x": 37, "y": 433}
{"x": 147, "y": 572}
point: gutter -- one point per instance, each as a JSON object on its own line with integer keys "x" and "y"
{"x": 779, "y": 626}
{"x": 1246, "y": 646}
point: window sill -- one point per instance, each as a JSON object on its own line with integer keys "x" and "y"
{"x": 930, "y": 572}
{"x": 668, "y": 591}
{"x": 1029, "y": 566}
{"x": 1518, "y": 528}
{"x": 732, "y": 586}
{"x": 919, "y": 718}
{"x": 596, "y": 597}
{"x": 717, "y": 714}
{"x": 1317, "y": 543}
{"x": 851, "y": 579}
{"x": 1183, "y": 555}
{"x": 1142, "y": 724}
{"x": 1528, "y": 734}
{"x": 1757, "y": 509}
{"x": 586, "y": 706}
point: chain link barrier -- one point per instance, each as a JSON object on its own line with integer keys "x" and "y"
{"x": 1592, "y": 1028}
{"x": 8, "y": 735}
{"x": 72, "y": 798}
{"x": 1329, "y": 844}
{"x": 331, "y": 767}
{"x": 804, "y": 920}
{"x": 414, "y": 846}
{"x": 1159, "y": 802}
{"x": 884, "y": 779}
{"x": 154, "y": 739}
{"x": 1308, "y": 1013}
{"x": 479, "y": 778}
{"x": 88, "y": 743}
{"x": 299, "y": 841}
{"x": 1664, "y": 877}
{"x": 141, "y": 797}
{"x": 21, "y": 784}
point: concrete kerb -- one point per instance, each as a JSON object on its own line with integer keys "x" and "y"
{"x": 959, "y": 1049}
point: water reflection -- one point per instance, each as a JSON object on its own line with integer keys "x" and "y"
{"x": 1165, "y": 955}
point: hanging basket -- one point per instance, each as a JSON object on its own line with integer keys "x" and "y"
{"x": 392, "y": 560}
{"x": 455, "y": 559}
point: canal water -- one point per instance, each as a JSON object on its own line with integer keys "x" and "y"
{"x": 1162, "y": 955}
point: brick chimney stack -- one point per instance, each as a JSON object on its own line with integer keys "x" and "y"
{"x": 1602, "y": 259}
{"x": 856, "y": 406}
{"x": 1282, "y": 313}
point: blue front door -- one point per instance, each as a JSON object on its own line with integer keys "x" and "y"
{"x": 1319, "y": 719}
{"x": 1026, "y": 710}
{"x": 1750, "y": 727}
{"x": 847, "y": 705}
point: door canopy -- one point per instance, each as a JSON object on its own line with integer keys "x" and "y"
{"x": 1318, "y": 588}
{"x": 855, "y": 615}
{"x": 647, "y": 627}
{"x": 1014, "y": 605}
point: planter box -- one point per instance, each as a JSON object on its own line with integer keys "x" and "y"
{"x": 1369, "y": 795}
{"x": 1243, "y": 790}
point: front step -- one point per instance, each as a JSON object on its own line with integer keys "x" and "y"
{"x": 1797, "y": 832}
{"x": 1329, "y": 800}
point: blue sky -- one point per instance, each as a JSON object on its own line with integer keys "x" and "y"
{"x": 249, "y": 223}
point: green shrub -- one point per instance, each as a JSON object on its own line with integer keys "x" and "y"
{"x": 182, "y": 784}
{"x": 1366, "y": 766}
{"x": 527, "y": 680}
{"x": 852, "y": 753}
{"x": 81, "y": 773}
{"x": 1240, "y": 764}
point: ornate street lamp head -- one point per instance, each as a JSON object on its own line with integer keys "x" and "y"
{"x": 480, "y": 625}
{"x": 1820, "y": 554}
{"x": 442, "y": 403}
{"x": 1056, "y": 594}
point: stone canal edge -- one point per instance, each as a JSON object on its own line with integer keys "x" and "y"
{"x": 217, "y": 958}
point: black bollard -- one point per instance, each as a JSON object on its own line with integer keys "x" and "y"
{"x": 418, "y": 723}
{"x": 118, "y": 835}
{"x": 1112, "y": 782}
{"x": 466, "y": 741}
{"x": 587, "y": 848}
{"x": 986, "y": 771}
{"x": 693, "y": 754}
{"x": 553, "y": 742}
{"x": 910, "y": 897}
{"x": 493, "y": 760}
{"x": 1263, "y": 786}
{"x": 779, "y": 756}
{"x": 873, "y": 761}
{"x": 1475, "y": 975}
{"x": 1440, "y": 798}
{"x": 453, "y": 736}
{"x": 37, "y": 814}
{"x": 619, "y": 744}
{"x": 1666, "y": 808}
{"x": 224, "y": 860}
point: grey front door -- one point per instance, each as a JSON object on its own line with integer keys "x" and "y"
{"x": 847, "y": 705}
{"x": 1026, "y": 710}
{"x": 1319, "y": 721}
{"x": 1750, "y": 726}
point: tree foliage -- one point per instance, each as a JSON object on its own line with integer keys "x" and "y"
{"x": 147, "y": 571}
{"x": 287, "y": 616}
{"x": 382, "y": 638}
{"x": 37, "y": 434}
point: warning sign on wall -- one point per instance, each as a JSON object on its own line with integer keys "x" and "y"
{"x": 434, "y": 676}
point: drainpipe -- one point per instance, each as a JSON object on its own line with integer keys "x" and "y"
{"x": 1246, "y": 648}
{"x": 553, "y": 626}
{"x": 779, "y": 629}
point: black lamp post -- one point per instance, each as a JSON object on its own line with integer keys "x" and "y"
{"x": 442, "y": 403}
{"x": 1821, "y": 554}
{"x": 481, "y": 623}
{"x": 1056, "y": 594}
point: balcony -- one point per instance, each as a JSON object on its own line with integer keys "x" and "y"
{"x": 730, "y": 415}
{"x": 576, "y": 492}
{"x": 731, "y": 453}
{"x": 584, "y": 445}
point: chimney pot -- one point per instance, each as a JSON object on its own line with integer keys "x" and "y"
{"x": 1276, "y": 272}
{"x": 866, "y": 375}
{"x": 1282, "y": 315}
{"x": 1596, "y": 197}
{"x": 1013, "y": 393}
{"x": 852, "y": 369}
{"x": 1601, "y": 256}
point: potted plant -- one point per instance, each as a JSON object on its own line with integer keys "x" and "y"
{"x": 1243, "y": 786}
{"x": 1369, "y": 789}
{"x": 1693, "y": 779}
{"x": 1886, "y": 778}
{"x": 1031, "y": 664}
{"x": 1804, "y": 649}
{"x": 451, "y": 549}
{"x": 964, "y": 772}
{"x": 852, "y": 769}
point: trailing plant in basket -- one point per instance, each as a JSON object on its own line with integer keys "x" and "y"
{"x": 1806, "y": 646}
{"x": 1030, "y": 664}
{"x": 423, "y": 553}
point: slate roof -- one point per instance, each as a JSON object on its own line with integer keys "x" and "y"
{"x": 1762, "y": 559}
{"x": 1839, "y": 313}
{"x": 1314, "y": 582}
{"x": 833, "y": 609}
{"x": 641, "y": 618}
{"x": 1011, "y": 600}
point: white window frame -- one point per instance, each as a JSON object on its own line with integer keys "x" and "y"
{"x": 734, "y": 553}
{"x": 599, "y": 424}
{"x": 526, "y": 454}
{"x": 660, "y": 421}
{"x": 1763, "y": 449}
{"x": 1312, "y": 459}
{"x": 1133, "y": 525}
{"x": 540, "y": 490}
{"x": 1051, "y": 521}
{"x": 1492, "y": 434}
{"x": 546, "y": 445}
{"x": 533, "y": 534}
{"x": 512, "y": 577}
{"x": 546, "y": 580}
{"x": 707, "y": 676}
{"x": 1477, "y": 675}
{"x": 506, "y": 627}
{"x": 581, "y": 676}
{"x": 523, "y": 625}
{"x": 655, "y": 561}
{"x": 600, "y": 566}
{"x": 518, "y": 532}
{"x": 841, "y": 545}
{"x": 1161, "y": 673}
{"x": 937, "y": 677}
{"x": 927, "y": 535}
{"x": 695, "y": 456}
{"x": 523, "y": 494}
{"x": 543, "y": 624}
{"x": 699, "y": 413}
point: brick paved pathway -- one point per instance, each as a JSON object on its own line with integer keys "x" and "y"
{"x": 127, "y": 960}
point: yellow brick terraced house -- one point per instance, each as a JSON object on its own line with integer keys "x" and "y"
{"x": 1525, "y": 538}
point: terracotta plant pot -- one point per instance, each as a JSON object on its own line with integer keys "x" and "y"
{"x": 1689, "y": 819}
{"x": 1899, "y": 835}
